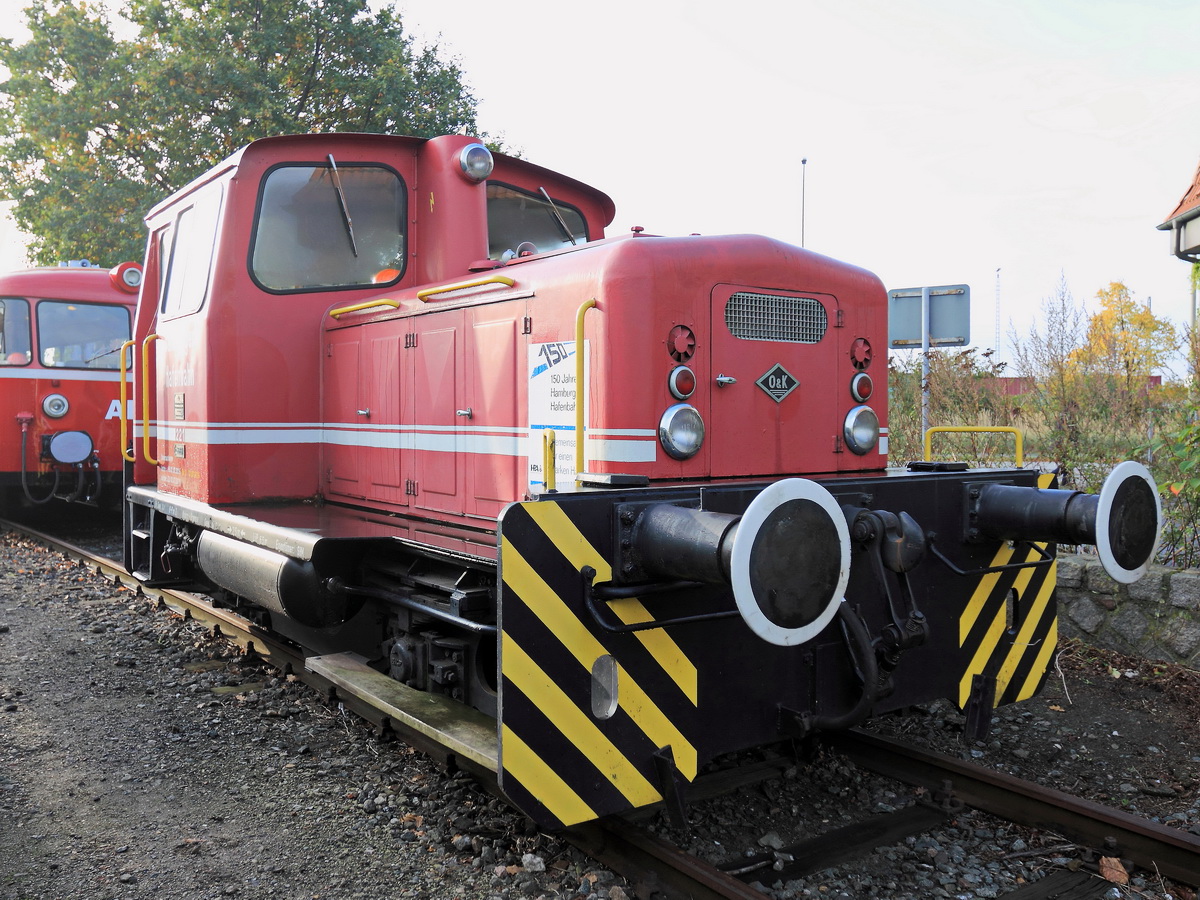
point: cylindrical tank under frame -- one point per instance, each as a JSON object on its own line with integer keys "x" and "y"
{"x": 276, "y": 582}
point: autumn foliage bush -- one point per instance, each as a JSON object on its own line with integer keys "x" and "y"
{"x": 1082, "y": 392}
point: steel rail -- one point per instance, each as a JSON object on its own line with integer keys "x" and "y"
{"x": 656, "y": 867}
{"x": 649, "y": 862}
{"x": 1172, "y": 852}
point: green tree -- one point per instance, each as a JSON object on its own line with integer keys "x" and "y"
{"x": 94, "y": 129}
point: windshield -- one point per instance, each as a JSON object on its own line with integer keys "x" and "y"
{"x": 516, "y": 217}
{"x": 330, "y": 225}
{"x": 14, "y": 332}
{"x": 81, "y": 335}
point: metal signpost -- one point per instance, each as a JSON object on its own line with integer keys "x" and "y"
{"x": 926, "y": 317}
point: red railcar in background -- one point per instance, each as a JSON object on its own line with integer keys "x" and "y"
{"x": 596, "y": 509}
{"x": 61, "y": 334}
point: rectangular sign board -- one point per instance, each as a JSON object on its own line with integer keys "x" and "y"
{"x": 949, "y": 317}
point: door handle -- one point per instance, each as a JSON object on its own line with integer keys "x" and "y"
{"x": 463, "y": 412}
{"x": 723, "y": 380}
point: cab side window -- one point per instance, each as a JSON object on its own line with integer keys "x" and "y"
{"x": 190, "y": 253}
{"x": 14, "y": 332}
{"x": 516, "y": 217}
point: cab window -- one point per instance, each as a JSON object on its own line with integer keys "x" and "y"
{"x": 14, "y": 332}
{"x": 517, "y": 217}
{"x": 322, "y": 227}
{"x": 162, "y": 243}
{"x": 191, "y": 253}
{"x": 81, "y": 335}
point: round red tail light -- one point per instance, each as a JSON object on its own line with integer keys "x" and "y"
{"x": 861, "y": 387}
{"x": 682, "y": 382}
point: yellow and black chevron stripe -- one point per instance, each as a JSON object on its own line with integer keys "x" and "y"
{"x": 1009, "y": 628}
{"x": 558, "y": 761}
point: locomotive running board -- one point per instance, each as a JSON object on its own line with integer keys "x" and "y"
{"x": 458, "y": 728}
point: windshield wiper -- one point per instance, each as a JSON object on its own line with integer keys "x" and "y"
{"x": 337, "y": 186}
{"x": 558, "y": 218}
{"x": 102, "y": 353}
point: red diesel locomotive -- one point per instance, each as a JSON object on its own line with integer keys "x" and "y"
{"x": 589, "y": 511}
{"x": 61, "y": 331}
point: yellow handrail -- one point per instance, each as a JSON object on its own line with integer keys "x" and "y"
{"x": 146, "y": 399}
{"x": 1015, "y": 432}
{"x": 548, "y": 460}
{"x": 359, "y": 307}
{"x": 580, "y": 387}
{"x": 425, "y": 294}
{"x": 127, "y": 454}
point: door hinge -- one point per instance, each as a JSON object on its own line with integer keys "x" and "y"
{"x": 840, "y": 319}
{"x": 527, "y": 325}
{"x": 410, "y": 340}
{"x": 410, "y": 487}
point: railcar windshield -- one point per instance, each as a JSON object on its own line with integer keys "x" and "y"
{"x": 81, "y": 335}
{"x": 14, "y": 332}
{"x": 328, "y": 226}
{"x": 516, "y": 216}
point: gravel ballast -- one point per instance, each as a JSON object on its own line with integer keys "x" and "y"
{"x": 140, "y": 757}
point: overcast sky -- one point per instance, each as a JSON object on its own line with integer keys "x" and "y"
{"x": 944, "y": 139}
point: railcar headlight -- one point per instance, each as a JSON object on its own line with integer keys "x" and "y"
{"x": 126, "y": 277}
{"x": 55, "y": 406}
{"x": 476, "y": 162}
{"x": 861, "y": 429}
{"x": 681, "y": 431}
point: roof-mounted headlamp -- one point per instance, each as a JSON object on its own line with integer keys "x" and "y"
{"x": 476, "y": 162}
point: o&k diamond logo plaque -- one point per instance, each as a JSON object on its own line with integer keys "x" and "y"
{"x": 778, "y": 382}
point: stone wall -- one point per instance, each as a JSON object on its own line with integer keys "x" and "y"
{"x": 1157, "y": 617}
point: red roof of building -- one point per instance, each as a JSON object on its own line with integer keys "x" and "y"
{"x": 1190, "y": 202}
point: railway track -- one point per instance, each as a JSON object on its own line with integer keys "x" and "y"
{"x": 1171, "y": 851}
{"x": 656, "y": 867}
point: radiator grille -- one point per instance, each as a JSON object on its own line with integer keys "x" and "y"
{"x": 768, "y": 317}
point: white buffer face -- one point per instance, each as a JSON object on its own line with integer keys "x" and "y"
{"x": 790, "y": 561}
{"x": 71, "y": 447}
{"x": 1128, "y": 502}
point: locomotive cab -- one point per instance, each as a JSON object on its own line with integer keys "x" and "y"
{"x": 625, "y": 498}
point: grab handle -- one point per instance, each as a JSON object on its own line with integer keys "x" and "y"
{"x": 145, "y": 377}
{"x": 1015, "y": 432}
{"x": 127, "y": 453}
{"x": 580, "y": 387}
